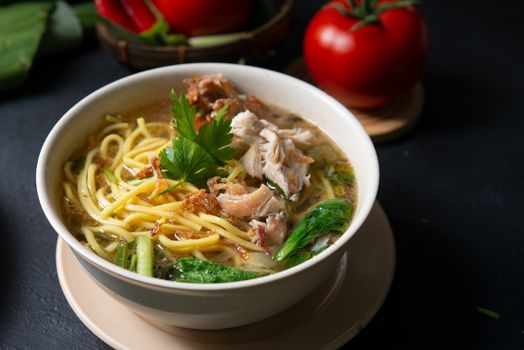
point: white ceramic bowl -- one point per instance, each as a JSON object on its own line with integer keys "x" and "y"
{"x": 207, "y": 306}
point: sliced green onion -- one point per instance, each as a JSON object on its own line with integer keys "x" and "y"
{"x": 110, "y": 175}
{"x": 488, "y": 312}
{"x": 136, "y": 182}
{"x": 275, "y": 186}
{"x": 171, "y": 188}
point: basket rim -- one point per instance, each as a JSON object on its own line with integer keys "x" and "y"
{"x": 282, "y": 13}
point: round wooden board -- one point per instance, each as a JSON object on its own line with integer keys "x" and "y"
{"x": 384, "y": 124}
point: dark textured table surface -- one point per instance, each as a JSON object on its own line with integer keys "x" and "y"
{"x": 453, "y": 189}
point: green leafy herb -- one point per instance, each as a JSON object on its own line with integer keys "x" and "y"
{"x": 299, "y": 258}
{"x": 201, "y": 271}
{"x": 340, "y": 174}
{"x": 489, "y": 313}
{"x": 329, "y": 216}
{"x": 215, "y": 137}
{"x": 110, "y": 175}
{"x": 196, "y": 157}
{"x": 188, "y": 161}
{"x": 183, "y": 116}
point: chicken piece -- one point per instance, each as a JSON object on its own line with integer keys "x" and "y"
{"x": 246, "y": 127}
{"x": 271, "y": 233}
{"x": 256, "y": 204}
{"x": 300, "y": 137}
{"x": 276, "y": 229}
{"x": 274, "y": 157}
{"x": 243, "y": 103}
{"x": 252, "y": 160}
{"x": 217, "y": 187}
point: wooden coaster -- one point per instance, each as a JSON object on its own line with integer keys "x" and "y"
{"x": 384, "y": 124}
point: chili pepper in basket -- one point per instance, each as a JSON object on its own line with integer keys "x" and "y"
{"x": 114, "y": 11}
{"x": 139, "y": 13}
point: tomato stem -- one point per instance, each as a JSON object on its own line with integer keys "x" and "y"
{"x": 352, "y": 5}
{"x": 367, "y": 11}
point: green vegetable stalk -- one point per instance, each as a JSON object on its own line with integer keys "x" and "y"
{"x": 122, "y": 255}
{"x": 145, "y": 255}
{"x": 201, "y": 271}
{"x": 329, "y": 216}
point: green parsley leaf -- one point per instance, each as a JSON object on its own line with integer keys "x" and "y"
{"x": 196, "y": 157}
{"x": 339, "y": 174}
{"x": 188, "y": 161}
{"x": 215, "y": 138}
{"x": 183, "y": 116}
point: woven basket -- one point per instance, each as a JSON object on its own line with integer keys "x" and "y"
{"x": 255, "y": 45}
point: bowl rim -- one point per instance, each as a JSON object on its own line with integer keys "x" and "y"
{"x": 56, "y": 220}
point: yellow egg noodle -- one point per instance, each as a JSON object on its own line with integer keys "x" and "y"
{"x": 123, "y": 209}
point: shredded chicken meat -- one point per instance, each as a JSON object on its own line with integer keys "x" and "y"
{"x": 272, "y": 152}
{"x": 262, "y": 206}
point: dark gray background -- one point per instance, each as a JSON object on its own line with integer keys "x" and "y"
{"x": 453, "y": 189}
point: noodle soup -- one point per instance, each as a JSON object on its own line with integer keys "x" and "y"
{"x": 209, "y": 187}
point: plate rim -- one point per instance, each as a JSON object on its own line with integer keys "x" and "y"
{"x": 376, "y": 212}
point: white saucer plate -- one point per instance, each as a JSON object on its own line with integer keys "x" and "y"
{"x": 326, "y": 319}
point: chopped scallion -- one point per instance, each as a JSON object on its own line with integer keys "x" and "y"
{"x": 488, "y": 312}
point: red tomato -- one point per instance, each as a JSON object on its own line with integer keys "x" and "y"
{"x": 204, "y": 17}
{"x": 367, "y": 67}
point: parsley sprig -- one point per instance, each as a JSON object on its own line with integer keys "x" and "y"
{"x": 195, "y": 157}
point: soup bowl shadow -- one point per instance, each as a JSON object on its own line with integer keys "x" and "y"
{"x": 220, "y": 305}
